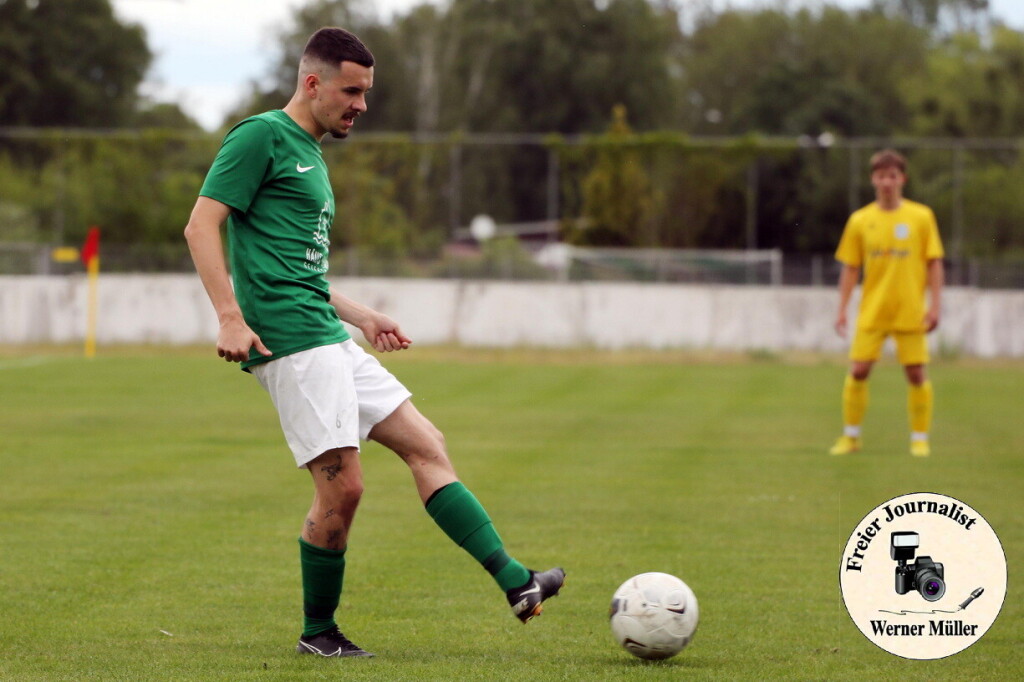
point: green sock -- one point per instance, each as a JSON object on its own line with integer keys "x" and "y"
{"x": 461, "y": 517}
{"x": 323, "y": 571}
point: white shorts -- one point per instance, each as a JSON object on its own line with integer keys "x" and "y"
{"x": 329, "y": 397}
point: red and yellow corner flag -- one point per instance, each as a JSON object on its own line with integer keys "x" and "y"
{"x": 91, "y": 248}
{"x": 91, "y": 260}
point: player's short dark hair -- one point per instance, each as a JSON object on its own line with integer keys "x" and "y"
{"x": 335, "y": 45}
{"x": 889, "y": 158}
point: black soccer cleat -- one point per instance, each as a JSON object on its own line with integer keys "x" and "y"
{"x": 330, "y": 644}
{"x": 527, "y": 601}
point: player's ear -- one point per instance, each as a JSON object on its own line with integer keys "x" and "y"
{"x": 311, "y": 84}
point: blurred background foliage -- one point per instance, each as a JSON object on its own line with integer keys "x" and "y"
{"x": 646, "y": 123}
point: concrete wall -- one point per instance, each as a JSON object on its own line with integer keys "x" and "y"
{"x": 174, "y": 309}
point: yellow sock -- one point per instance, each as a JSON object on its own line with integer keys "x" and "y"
{"x": 855, "y": 401}
{"x": 919, "y": 406}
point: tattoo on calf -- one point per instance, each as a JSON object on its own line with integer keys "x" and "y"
{"x": 330, "y": 513}
{"x": 334, "y": 539}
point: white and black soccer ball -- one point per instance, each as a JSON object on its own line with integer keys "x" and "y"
{"x": 654, "y": 615}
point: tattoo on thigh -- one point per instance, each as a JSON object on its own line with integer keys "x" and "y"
{"x": 332, "y": 470}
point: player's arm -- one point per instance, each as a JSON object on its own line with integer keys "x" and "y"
{"x": 380, "y": 330}
{"x": 850, "y": 254}
{"x": 848, "y": 279}
{"x": 936, "y": 280}
{"x": 202, "y": 233}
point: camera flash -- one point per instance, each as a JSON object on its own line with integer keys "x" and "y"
{"x": 906, "y": 539}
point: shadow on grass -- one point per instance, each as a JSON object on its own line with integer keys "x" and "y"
{"x": 679, "y": 662}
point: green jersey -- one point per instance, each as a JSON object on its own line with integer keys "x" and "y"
{"x": 272, "y": 174}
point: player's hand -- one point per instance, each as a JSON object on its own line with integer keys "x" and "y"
{"x": 384, "y": 334}
{"x": 234, "y": 340}
{"x": 931, "y": 320}
{"x": 840, "y": 325}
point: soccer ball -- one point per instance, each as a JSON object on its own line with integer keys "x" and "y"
{"x": 654, "y": 615}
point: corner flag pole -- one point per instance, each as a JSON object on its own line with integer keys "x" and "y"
{"x": 91, "y": 259}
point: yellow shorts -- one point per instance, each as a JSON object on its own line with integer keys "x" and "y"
{"x": 911, "y": 347}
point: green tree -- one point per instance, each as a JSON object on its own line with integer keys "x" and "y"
{"x": 618, "y": 199}
{"x": 368, "y": 218}
{"x": 995, "y": 209}
{"x": 139, "y": 187}
{"x": 705, "y": 203}
{"x": 802, "y": 73}
{"x": 501, "y": 65}
{"x": 68, "y": 63}
{"x": 973, "y": 87}
{"x": 167, "y": 115}
{"x": 959, "y": 15}
{"x": 561, "y": 65}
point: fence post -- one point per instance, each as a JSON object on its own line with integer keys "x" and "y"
{"x": 776, "y": 267}
{"x": 958, "y": 204}
{"x": 554, "y": 172}
{"x": 853, "y": 193}
{"x": 455, "y": 188}
{"x": 751, "y": 218}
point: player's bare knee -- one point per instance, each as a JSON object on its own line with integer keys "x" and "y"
{"x": 438, "y": 443}
{"x": 339, "y": 503}
{"x": 916, "y": 374}
{"x": 436, "y": 448}
{"x": 860, "y": 371}
{"x": 340, "y": 492}
{"x": 348, "y": 490}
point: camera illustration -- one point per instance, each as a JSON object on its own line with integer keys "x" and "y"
{"x": 923, "y": 575}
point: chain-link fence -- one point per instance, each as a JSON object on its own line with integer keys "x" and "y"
{"x": 405, "y": 202}
{"x": 550, "y": 263}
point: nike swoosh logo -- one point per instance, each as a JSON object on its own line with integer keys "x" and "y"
{"x": 302, "y": 169}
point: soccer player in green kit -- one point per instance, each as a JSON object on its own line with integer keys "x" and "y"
{"x": 283, "y": 322}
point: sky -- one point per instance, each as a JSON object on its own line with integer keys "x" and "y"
{"x": 207, "y": 52}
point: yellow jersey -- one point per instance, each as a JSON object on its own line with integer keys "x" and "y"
{"x": 893, "y": 248}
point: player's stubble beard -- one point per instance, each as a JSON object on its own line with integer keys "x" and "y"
{"x": 342, "y": 134}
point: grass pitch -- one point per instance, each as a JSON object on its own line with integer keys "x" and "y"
{"x": 150, "y": 512}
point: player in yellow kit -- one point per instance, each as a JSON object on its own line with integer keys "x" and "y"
{"x": 896, "y": 243}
